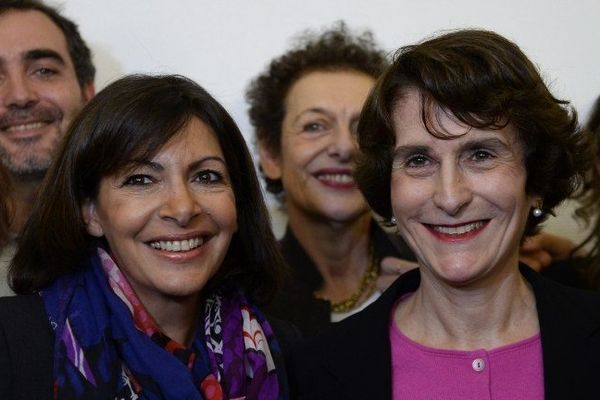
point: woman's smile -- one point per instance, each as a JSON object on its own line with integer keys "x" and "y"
{"x": 457, "y": 232}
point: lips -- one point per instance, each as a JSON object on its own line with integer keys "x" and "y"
{"x": 457, "y": 231}
{"x": 336, "y": 178}
{"x": 24, "y": 120}
{"x": 25, "y": 127}
{"x": 178, "y": 245}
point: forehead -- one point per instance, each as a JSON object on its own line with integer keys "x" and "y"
{"x": 329, "y": 88}
{"x": 409, "y": 127}
{"x": 194, "y": 140}
{"x": 22, "y": 31}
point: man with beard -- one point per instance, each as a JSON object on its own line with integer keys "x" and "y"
{"x": 46, "y": 76}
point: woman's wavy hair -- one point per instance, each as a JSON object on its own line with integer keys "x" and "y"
{"x": 336, "y": 49}
{"x": 133, "y": 118}
{"x": 486, "y": 82}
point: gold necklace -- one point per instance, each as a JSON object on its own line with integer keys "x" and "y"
{"x": 366, "y": 283}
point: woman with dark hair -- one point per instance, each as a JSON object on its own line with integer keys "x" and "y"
{"x": 140, "y": 271}
{"x": 304, "y": 109}
{"x": 465, "y": 151}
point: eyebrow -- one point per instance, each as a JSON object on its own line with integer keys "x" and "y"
{"x": 39, "y": 54}
{"x": 405, "y": 151}
{"x": 319, "y": 110}
{"x": 158, "y": 167}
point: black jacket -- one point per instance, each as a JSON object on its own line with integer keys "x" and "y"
{"x": 296, "y": 302}
{"x": 353, "y": 359}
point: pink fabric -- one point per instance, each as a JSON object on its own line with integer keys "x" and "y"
{"x": 511, "y": 372}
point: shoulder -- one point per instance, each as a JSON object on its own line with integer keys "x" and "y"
{"x": 337, "y": 363}
{"x": 26, "y": 348}
{"x": 556, "y": 297}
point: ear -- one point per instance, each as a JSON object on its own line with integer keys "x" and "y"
{"x": 90, "y": 218}
{"x": 88, "y": 91}
{"x": 536, "y": 201}
{"x": 270, "y": 163}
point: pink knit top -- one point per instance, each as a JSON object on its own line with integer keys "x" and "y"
{"x": 510, "y": 372}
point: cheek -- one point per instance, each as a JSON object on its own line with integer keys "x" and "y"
{"x": 299, "y": 152}
{"x": 222, "y": 210}
{"x": 407, "y": 196}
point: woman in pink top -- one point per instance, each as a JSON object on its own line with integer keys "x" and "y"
{"x": 465, "y": 151}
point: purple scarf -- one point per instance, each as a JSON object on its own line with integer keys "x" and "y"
{"x": 107, "y": 346}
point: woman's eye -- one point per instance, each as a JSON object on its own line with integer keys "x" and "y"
{"x": 481, "y": 155}
{"x": 138, "y": 180}
{"x": 313, "y": 127}
{"x": 209, "y": 176}
{"x": 417, "y": 161}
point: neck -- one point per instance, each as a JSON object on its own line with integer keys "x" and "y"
{"x": 23, "y": 196}
{"x": 340, "y": 252}
{"x": 491, "y": 316}
{"x": 176, "y": 317}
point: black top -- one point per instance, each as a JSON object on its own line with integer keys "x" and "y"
{"x": 296, "y": 302}
{"x": 574, "y": 272}
{"x": 352, "y": 360}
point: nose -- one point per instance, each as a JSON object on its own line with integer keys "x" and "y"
{"x": 343, "y": 144}
{"x": 18, "y": 92}
{"x": 180, "y": 205}
{"x": 452, "y": 192}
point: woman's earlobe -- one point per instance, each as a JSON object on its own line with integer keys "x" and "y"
{"x": 90, "y": 218}
{"x": 269, "y": 163}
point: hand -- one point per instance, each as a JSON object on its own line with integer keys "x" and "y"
{"x": 541, "y": 250}
{"x": 392, "y": 268}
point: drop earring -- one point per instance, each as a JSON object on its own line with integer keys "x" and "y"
{"x": 537, "y": 212}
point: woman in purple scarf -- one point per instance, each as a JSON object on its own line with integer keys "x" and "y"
{"x": 141, "y": 266}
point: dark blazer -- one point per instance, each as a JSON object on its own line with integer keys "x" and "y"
{"x": 353, "y": 359}
{"x": 27, "y": 344}
{"x": 296, "y": 302}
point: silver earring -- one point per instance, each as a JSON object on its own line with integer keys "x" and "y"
{"x": 393, "y": 220}
{"x": 537, "y": 212}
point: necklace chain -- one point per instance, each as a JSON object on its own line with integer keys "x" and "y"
{"x": 366, "y": 284}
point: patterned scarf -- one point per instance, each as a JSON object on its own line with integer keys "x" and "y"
{"x": 107, "y": 346}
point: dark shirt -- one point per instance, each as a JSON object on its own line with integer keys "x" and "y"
{"x": 575, "y": 272}
{"x": 296, "y": 302}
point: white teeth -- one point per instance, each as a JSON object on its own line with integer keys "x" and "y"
{"x": 24, "y": 127}
{"x": 458, "y": 230}
{"x": 177, "y": 245}
{"x": 341, "y": 178}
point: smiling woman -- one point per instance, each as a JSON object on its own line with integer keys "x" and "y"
{"x": 144, "y": 259}
{"x": 464, "y": 147}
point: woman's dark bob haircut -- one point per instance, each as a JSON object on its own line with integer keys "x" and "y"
{"x": 486, "y": 82}
{"x": 132, "y": 119}
{"x": 336, "y": 49}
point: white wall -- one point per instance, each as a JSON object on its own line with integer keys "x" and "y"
{"x": 223, "y": 44}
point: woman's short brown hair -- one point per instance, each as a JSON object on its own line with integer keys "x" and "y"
{"x": 487, "y": 82}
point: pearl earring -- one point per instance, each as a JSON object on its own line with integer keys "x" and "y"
{"x": 537, "y": 212}
{"x": 393, "y": 220}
